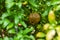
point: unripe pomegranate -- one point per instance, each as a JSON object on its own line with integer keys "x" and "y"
{"x": 51, "y": 17}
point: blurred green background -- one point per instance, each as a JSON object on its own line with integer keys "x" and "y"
{"x": 29, "y": 19}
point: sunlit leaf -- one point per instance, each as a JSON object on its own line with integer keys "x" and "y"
{"x": 33, "y": 3}
{"x": 58, "y": 30}
{"x": 6, "y": 22}
{"x": 55, "y": 2}
{"x": 11, "y": 38}
{"x": 1, "y": 21}
{"x": 23, "y": 23}
{"x": 45, "y": 12}
{"x": 10, "y": 26}
{"x": 11, "y": 31}
{"x": 16, "y": 19}
{"x": 9, "y": 3}
{"x": 32, "y": 37}
{"x": 9, "y": 0}
{"x": 4, "y": 15}
{"x": 57, "y": 7}
{"x": 19, "y": 4}
{"x": 29, "y": 30}
{"x": 6, "y": 38}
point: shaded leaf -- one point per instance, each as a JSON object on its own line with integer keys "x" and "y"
{"x": 0, "y": 38}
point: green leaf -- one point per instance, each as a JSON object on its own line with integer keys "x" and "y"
{"x": 39, "y": 26}
{"x": 48, "y": 3}
{"x": 19, "y": 36}
{"x": 1, "y": 21}
{"x": 33, "y": 3}
{"x": 55, "y": 2}
{"x": 4, "y": 15}
{"x": 21, "y": 15}
{"x": 11, "y": 31}
{"x": 58, "y": 30}
{"x": 9, "y": 3}
{"x": 21, "y": 39}
{"x": 16, "y": 19}
{"x": 15, "y": 38}
{"x": 32, "y": 37}
{"x": 23, "y": 23}
{"x": 11, "y": 38}
{"x": 0, "y": 38}
{"x": 10, "y": 26}
{"x": 19, "y": 4}
{"x": 26, "y": 36}
{"x": 45, "y": 13}
{"x": 57, "y": 7}
{"x": 6, "y": 22}
{"x": 6, "y": 38}
{"x": 27, "y": 30}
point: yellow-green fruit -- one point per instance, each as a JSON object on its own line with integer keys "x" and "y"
{"x": 46, "y": 26}
{"x": 34, "y": 18}
{"x": 58, "y": 30}
{"x": 24, "y": 3}
{"x": 40, "y": 34}
{"x": 51, "y": 16}
{"x": 58, "y": 38}
{"x": 50, "y": 34}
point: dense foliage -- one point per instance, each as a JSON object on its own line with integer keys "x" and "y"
{"x": 29, "y": 19}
